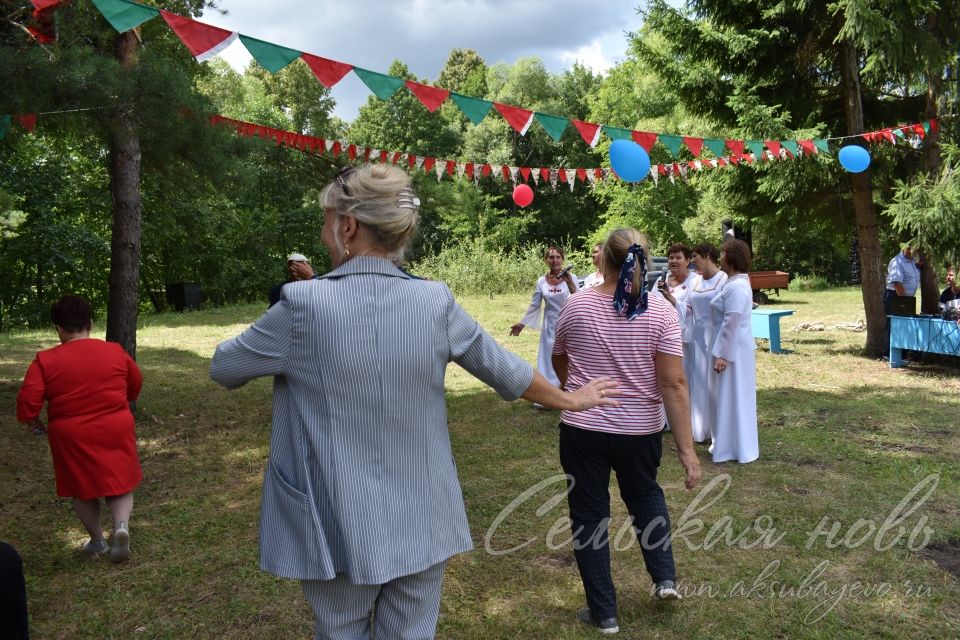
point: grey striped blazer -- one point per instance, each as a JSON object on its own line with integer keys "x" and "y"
{"x": 360, "y": 478}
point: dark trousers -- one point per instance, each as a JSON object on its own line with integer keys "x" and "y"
{"x": 13, "y": 595}
{"x": 587, "y": 457}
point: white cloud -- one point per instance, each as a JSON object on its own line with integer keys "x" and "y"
{"x": 590, "y": 56}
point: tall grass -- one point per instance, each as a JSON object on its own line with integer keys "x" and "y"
{"x": 472, "y": 268}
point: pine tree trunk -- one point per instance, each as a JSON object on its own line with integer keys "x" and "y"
{"x": 127, "y": 216}
{"x": 929, "y": 284}
{"x": 868, "y": 236}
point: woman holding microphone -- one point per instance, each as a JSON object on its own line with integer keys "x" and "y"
{"x": 551, "y": 293}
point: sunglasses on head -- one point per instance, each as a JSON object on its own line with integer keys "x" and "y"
{"x": 342, "y": 176}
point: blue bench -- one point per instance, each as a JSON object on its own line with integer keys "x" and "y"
{"x": 766, "y": 324}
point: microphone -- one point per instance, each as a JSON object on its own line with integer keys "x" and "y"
{"x": 564, "y": 272}
{"x": 663, "y": 279}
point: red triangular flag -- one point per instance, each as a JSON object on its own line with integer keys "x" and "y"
{"x": 808, "y": 146}
{"x": 518, "y": 118}
{"x": 203, "y": 40}
{"x": 588, "y": 131}
{"x": 505, "y": 171}
{"x": 43, "y": 5}
{"x": 645, "y": 139}
{"x": 431, "y": 97}
{"x": 27, "y": 120}
{"x": 428, "y": 164}
{"x": 545, "y": 174}
{"x": 525, "y": 172}
{"x": 774, "y": 146}
{"x": 582, "y": 174}
{"x": 328, "y": 72}
{"x": 562, "y": 174}
{"x": 469, "y": 170}
{"x": 736, "y": 146}
{"x": 451, "y": 167}
{"x": 485, "y": 170}
{"x": 694, "y": 144}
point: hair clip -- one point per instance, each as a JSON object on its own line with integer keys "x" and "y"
{"x": 407, "y": 200}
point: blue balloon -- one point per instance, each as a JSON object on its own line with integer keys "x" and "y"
{"x": 854, "y": 158}
{"x": 629, "y": 160}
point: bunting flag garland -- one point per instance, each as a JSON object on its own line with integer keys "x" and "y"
{"x": 382, "y": 86}
{"x": 553, "y": 125}
{"x": 328, "y": 72}
{"x": 44, "y": 27}
{"x": 475, "y": 109}
{"x": 617, "y": 133}
{"x": 271, "y": 57}
{"x": 430, "y": 97}
{"x": 519, "y": 119}
{"x": 672, "y": 143}
{"x": 589, "y": 132}
{"x": 204, "y": 41}
{"x": 124, "y": 15}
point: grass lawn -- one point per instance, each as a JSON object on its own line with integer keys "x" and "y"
{"x": 843, "y": 441}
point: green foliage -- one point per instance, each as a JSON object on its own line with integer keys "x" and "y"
{"x": 928, "y": 209}
{"x": 809, "y": 283}
{"x": 473, "y": 267}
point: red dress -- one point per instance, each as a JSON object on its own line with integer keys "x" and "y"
{"x": 87, "y": 384}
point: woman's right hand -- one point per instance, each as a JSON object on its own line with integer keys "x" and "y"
{"x": 516, "y": 329}
{"x": 36, "y": 428}
{"x": 691, "y": 464}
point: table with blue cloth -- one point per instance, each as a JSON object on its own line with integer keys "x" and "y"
{"x": 922, "y": 333}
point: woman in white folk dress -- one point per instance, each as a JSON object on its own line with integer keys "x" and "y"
{"x": 551, "y": 294}
{"x": 698, "y": 328}
{"x": 734, "y": 363}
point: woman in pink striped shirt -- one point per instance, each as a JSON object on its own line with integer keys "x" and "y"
{"x": 616, "y": 330}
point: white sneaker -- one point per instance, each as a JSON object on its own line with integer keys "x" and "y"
{"x": 92, "y": 548}
{"x": 120, "y": 550}
{"x": 666, "y": 590}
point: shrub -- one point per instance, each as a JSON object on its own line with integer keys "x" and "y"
{"x": 469, "y": 268}
{"x": 809, "y": 283}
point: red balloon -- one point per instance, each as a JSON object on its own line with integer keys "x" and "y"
{"x": 522, "y": 195}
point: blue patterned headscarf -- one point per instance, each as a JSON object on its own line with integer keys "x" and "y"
{"x": 625, "y": 303}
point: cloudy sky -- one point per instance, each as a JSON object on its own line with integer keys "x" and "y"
{"x": 373, "y": 33}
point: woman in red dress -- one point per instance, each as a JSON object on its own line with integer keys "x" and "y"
{"x": 88, "y": 385}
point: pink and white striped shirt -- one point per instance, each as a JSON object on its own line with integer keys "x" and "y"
{"x": 598, "y": 342}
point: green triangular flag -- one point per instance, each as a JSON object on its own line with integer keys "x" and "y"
{"x": 617, "y": 133}
{"x": 822, "y": 145}
{"x": 271, "y": 57}
{"x": 926, "y": 127}
{"x": 717, "y": 147}
{"x": 5, "y": 125}
{"x": 672, "y": 143}
{"x": 124, "y": 15}
{"x": 756, "y": 146}
{"x": 898, "y": 133}
{"x": 474, "y": 108}
{"x": 383, "y": 86}
{"x": 791, "y": 146}
{"x": 553, "y": 125}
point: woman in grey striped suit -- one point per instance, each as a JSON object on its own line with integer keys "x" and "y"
{"x": 361, "y": 500}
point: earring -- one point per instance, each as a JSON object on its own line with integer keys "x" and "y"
{"x": 346, "y": 249}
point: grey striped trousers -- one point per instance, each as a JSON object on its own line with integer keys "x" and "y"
{"x": 406, "y": 608}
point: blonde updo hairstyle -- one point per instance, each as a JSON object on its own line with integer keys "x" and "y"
{"x": 615, "y": 251}
{"x": 380, "y": 197}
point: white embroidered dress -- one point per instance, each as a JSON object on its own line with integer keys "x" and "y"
{"x": 698, "y": 329}
{"x": 551, "y": 298}
{"x": 735, "y": 437}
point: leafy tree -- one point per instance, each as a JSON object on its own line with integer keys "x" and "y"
{"x": 769, "y": 70}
